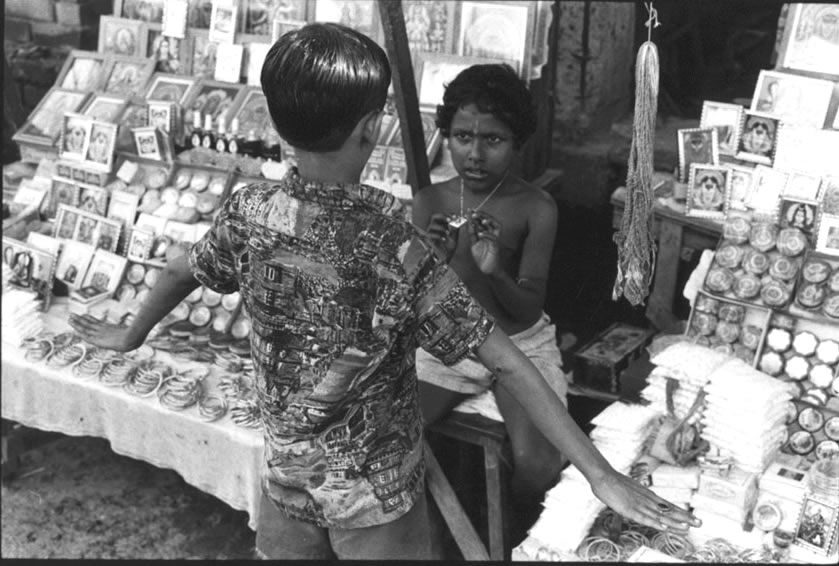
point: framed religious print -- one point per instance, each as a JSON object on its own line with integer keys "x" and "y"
{"x": 93, "y": 200}
{"x": 260, "y": 15}
{"x": 811, "y": 42}
{"x": 252, "y": 113}
{"x": 223, "y": 21}
{"x": 105, "y": 271}
{"x": 758, "y": 137}
{"x": 199, "y": 13}
{"x": 430, "y": 25}
{"x": 150, "y": 11}
{"x": 726, "y": 119}
{"x": 740, "y": 183}
{"x": 167, "y": 52}
{"x": 82, "y": 70}
{"x": 697, "y": 145}
{"x": 62, "y": 192}
{"x": 798, "y": 213}
{"x": 797, "y": 100}
{"x": 497, "y": 30}
{"x": 87, "y": 228}
{"x": 73, "y": 263}
{"x": 827, "y": 240}
{"x": 104, "y": 107}
{"x": 169, "y": 88}
{"x": 829, "y": 195}
{"x": 437, "y": 70}
{"x": 31, "y": 268}
{"x": 818, "y": 521}
{"x": 99, "y": 153}
{"x": 201, "y": 54}
{"x": 802, "y": 185}
{"x": 139, "y": 245}
{"x": 211, "y": 97}
{"x": 122, "y": 36}
{"x": 75, "y": 136}
{"x": 282, "y": 27}
{"x": 708, "y": 187}
{"x": 360, "y": 15}
{"x": 127, "y": 76}
{"x": 766, "y": 189}
{"x": 45, "y": 122}
{"x": 123, "y": 207}
{"x": 65, "y": 222}
{"x": 162, "y": 115}
{"x": 808, "y": 149}
{"x": 147, "y": 143}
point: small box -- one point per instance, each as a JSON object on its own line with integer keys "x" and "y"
{"x": 737, "y": 488}
{"x": 667, "y": 475}
{"x": 600, "y": 362}
{"x": 784, "y": 481}
{"x": 86, "y": 299}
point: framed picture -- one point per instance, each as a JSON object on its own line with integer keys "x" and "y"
{"x": 122, "y": 36}
{"x": 252, "y": 113}
{"x": 801, "y": 214}
{"x": 45, "y": 122}
{"x": 765, "y": 193}
{"x": 726, "y": 119}
{"x": 105, "y": 271}
{"x": 708, "y": 187}
{"x": 150, "y": 11}
{"x": 802, "y": 185}
{"x": 817, "y": 524}
{"x": 152, "y": 223}
{"x": 697, "y": 145}
{"x": 87, "y": 228}
{"x": 223, "y": 22}
{"x": 31, "y": 268}
{"x": 281, "y": 27}
{"x": 497, "y": 30}
{"x": 260, "y": 15}
{"x": 201, "y": 54}
{"x": 123, "y": 207}
{"x": 430, "y": 26}
{"x": 167, "y": 52}
{"x": 255, "y": 56}
{"x": 810, "y": 40}
{"x": 199, "y": 13}
{"x": 179, "y": 231}
{"x": 139, "y": 246}
{"x": 127, "y": 76}
{"x": 73, "y": 263}
{"x": 162, "y": 115}
{"x": 740, "y": 180}
{"x": 436, "y": 70}
{"x": 65, "y": 223}
{"x": 146, "y": 142}
{"x": 758, "y": 138}
{"x": 169, "y": 88}
{"x": 829, "y": 195}
{"x": 100, "y": 149}
{"x": 229, "y": 62}
{"x": 75, "y": 136}
{"x": 792, "y": 98}
{"x": 807, "y": 149}
{"x": 827, "y": 240}
{"x": 82, "y": 70}
{"x": 211, "y": 97}
{"x": 93, "y": 200}
{"x": 63, "y": 191}
{"x": 104, "y": 107}
{"x": 360, "y": 15}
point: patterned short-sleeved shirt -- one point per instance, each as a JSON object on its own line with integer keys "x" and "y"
{"x": 341, "y": 290}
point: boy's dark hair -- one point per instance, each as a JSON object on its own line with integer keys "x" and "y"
{"x": 320, "y": 80}
{"x": 495, "y": 89}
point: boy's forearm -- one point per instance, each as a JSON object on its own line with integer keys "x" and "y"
{"x": 516, "y": 373}
{"x": 508, "y": 291}
{"x": 174, "y": 284}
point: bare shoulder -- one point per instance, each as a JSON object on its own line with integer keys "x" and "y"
{"x": 534, "y": 199}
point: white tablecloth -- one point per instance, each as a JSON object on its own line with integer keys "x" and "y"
{"x": 220, "y": 458}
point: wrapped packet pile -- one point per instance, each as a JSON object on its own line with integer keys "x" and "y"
{"x": 620, "y": 434}
{"x": 22, "y": 316}
{"x": 745, "y": 414}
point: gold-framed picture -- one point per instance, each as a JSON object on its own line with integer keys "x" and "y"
{"x": 726, "y": 118}
{"x": 127, "y": 76}
{"x": 796, "y": 100}
{"x": 122, "y": 36}
{"x": 497, "y": 30}
{"x": 87, "y": 228}
{"x": 200, "y": 54}
{"x": 260, "y": 15}
{"x": 211, "y": 97}
{"x": 708, "y": 187}
{"x": 169, "y": 87}
{"x": 430, "y": 25}
{"x": 73, "y": 263}
{"x": 82, "y": 70}
{"x": 697, "y": 145}
{"x": 360, "y": 15}
{"x": 149, "y": 11}
{"x": 810, "y": 40}
{"x": 758, "y": 137}
{"x": 252, "y": 113}
{"x": 45, "y": 122}
{"x": 104, "y": 107}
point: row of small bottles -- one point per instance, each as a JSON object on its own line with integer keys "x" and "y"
{"x": 223, "y": 141}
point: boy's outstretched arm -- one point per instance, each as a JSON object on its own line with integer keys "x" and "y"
{"x": 516, "y": 373}
{"x": 175, "y": 283}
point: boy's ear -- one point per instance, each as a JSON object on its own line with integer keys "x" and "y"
{"x": 372, "y": 126}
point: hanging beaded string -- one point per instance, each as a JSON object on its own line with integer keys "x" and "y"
{"x": 636, "y": 246}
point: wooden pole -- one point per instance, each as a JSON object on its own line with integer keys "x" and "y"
{"x": 405, "y": 89}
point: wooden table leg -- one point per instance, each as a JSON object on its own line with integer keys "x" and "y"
{"x": 660, "y": 305}
{"x": 496, "y": 503}
{"x": 12, "y": 448}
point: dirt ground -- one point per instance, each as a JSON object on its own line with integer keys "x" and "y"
{"x": 75, "y": 498}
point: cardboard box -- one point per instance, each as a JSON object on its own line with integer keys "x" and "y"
{"x": 737, "y": 488}
{"x": 599, "y": 363}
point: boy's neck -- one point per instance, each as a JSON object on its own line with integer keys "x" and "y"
{"x": 331, "y": 167}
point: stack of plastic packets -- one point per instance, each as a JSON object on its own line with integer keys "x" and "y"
{"x": 690, "y": 365}
{"x": 22, "y": 316}
{"x": 620, "y": 434}
{"x": 745, "y": 414}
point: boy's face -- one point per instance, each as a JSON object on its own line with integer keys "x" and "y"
{"x": 481, "y": 146}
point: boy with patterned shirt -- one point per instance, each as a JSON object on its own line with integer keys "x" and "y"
{"x": 341, "y": 290}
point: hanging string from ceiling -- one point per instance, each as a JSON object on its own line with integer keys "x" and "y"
{"x": 636, "y": 245}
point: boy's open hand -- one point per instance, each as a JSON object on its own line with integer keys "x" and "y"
{"x": 484, "y": 231}
{"x": 633, "y": 501}
{"x": 104, "y": 334}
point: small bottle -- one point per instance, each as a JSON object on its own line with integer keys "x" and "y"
{"x": 221, "y": 136}
{"x": 208, "y": 139}
{"x": 197, "y": 133}
{"x": 272, "y": 148}
{"x": 234, "y": 140}
{"x": 253, "y": 145}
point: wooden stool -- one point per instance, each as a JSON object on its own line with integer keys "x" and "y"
{"x": 490, "y": 435}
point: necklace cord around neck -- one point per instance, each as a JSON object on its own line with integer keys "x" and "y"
{"x": 486, "y": 199}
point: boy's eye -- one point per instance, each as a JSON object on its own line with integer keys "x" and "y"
{"x": 493, "y": 140}
{"x": 463, "y": 136}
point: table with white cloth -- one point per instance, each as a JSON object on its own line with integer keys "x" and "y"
{"x": 219, "y": 458}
